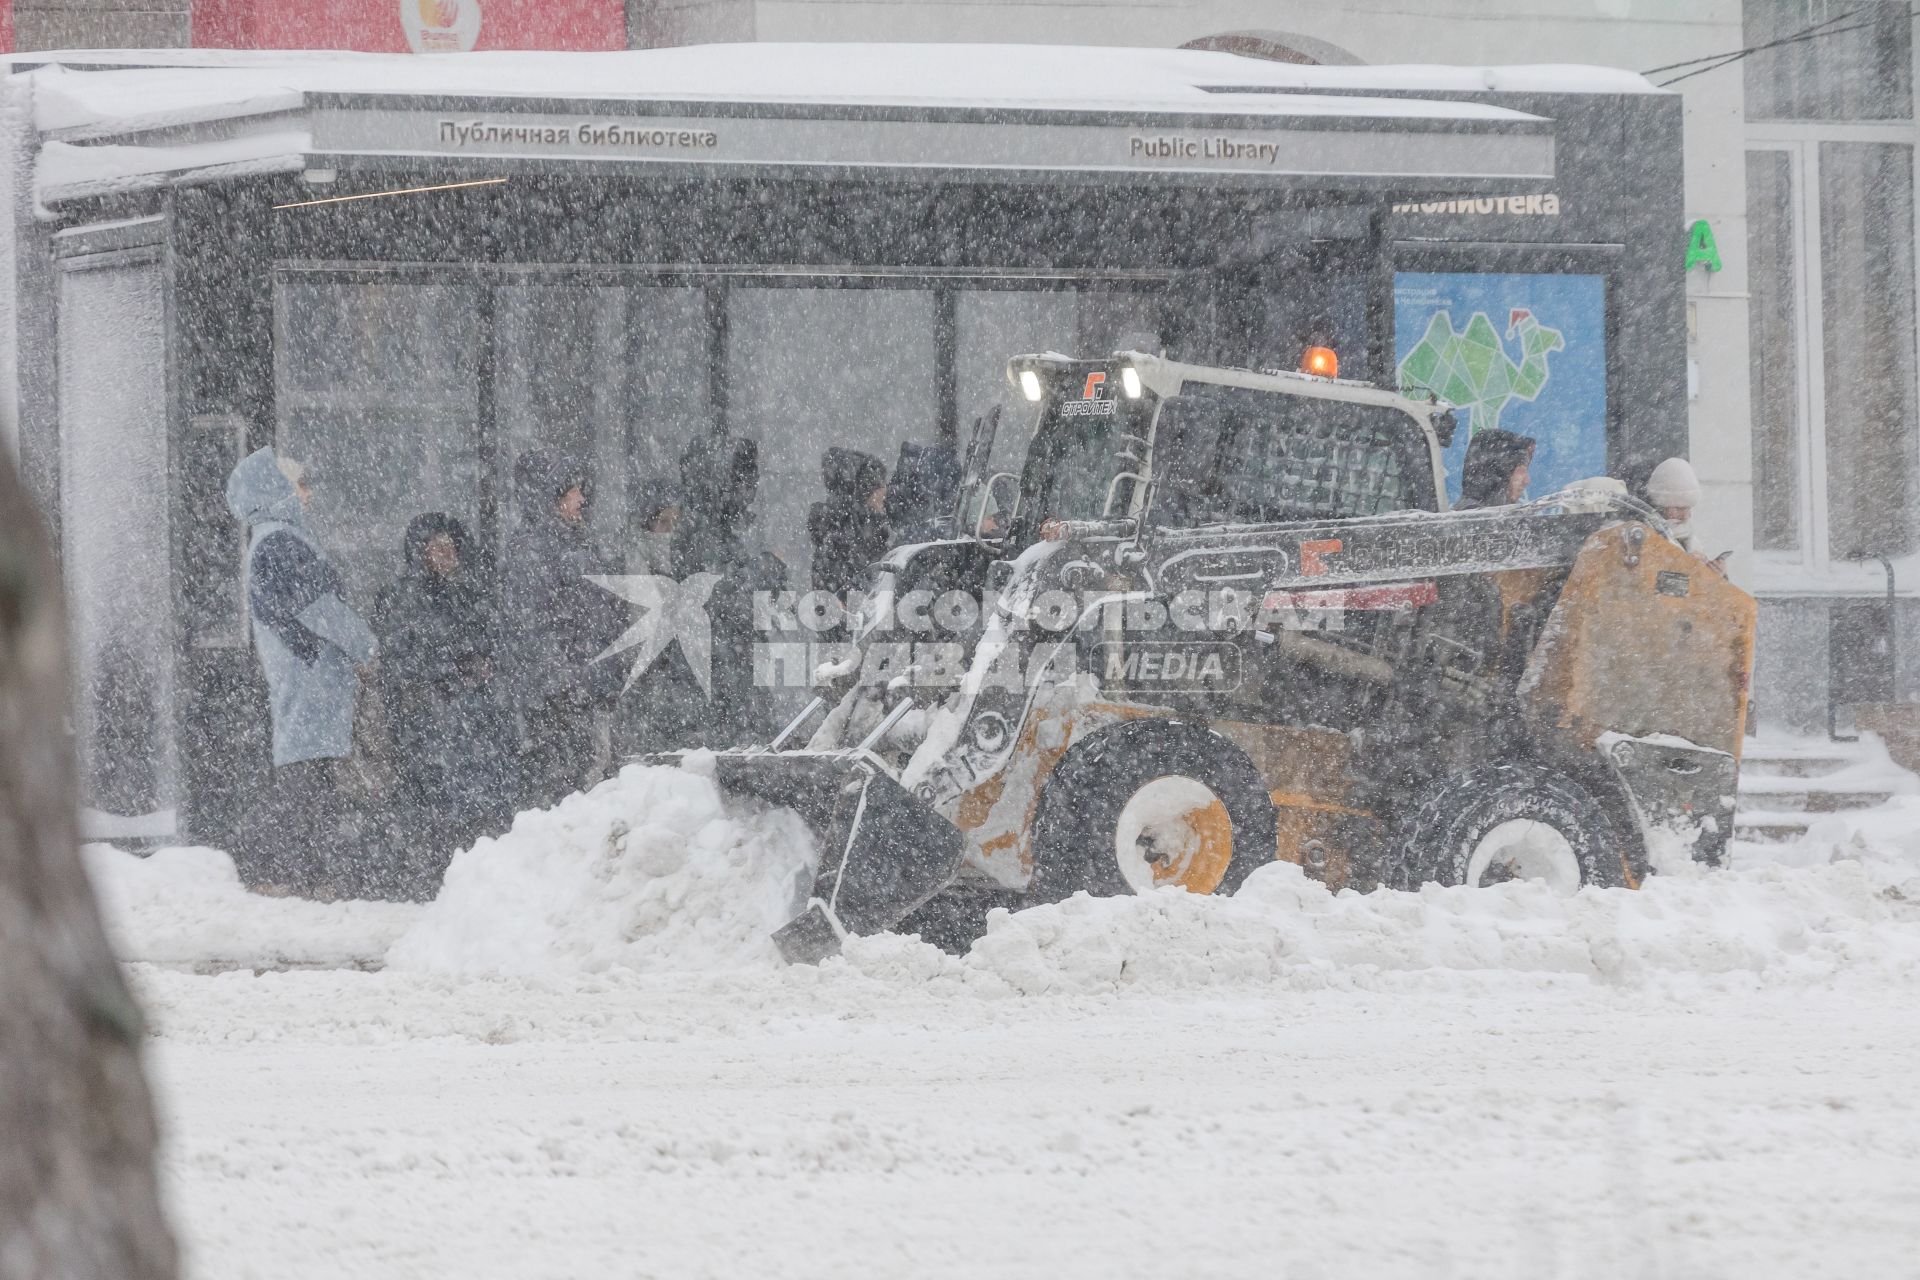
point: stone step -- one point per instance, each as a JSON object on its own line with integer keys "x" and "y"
{"x": 1789, "y": 784}
{"x": 1791, "y": 766}
{"x": 1804, "y": 800}
{"x": 1767, "y": 833}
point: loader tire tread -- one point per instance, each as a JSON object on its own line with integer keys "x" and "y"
{"x": 1436, "y": 837}
{"x": 1080, "y": 807}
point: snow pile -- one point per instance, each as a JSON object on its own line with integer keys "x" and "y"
{"x": 1885, "y": 838}
{"x": 1770, "y": 924}
{"x": 186, "y": 906}
{"x": 648, "y": 871}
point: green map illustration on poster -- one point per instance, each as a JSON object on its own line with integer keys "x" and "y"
{"x": 1522, "y": 352}
{"x": 1471, "y": 369}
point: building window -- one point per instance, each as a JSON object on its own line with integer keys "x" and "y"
{"x": 1866, "y": 304}
{"x": 1773, "y": 345}
{"x": 1832, "y": 341}
{"x": 1843, "y": 61}
{"x": 1831, "y": 274}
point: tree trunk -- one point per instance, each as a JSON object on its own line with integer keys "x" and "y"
{"x": 77, "y": 1189}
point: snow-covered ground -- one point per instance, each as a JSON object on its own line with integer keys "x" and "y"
{"x": 581, "y": 1061}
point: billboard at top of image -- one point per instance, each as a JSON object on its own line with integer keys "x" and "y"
{"x": 1525, "y": 353}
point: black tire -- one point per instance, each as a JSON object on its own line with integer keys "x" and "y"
{"x": 1075, "y": 831}
{"x": 1436, "y": 840}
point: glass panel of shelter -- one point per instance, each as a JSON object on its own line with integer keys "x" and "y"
{"x": 559, "y": 376}
{"x": 609, "y": 376}
{"x": 114, "y": 541}
{"x": 378, "y": 394}
{"x": 406, "y": 396}
{"x": 810, "y": 368}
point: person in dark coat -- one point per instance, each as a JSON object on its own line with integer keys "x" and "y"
{"x": 921, "y": 495}
{"x": 715, "y": 535}
{"x": 312, "y": 649}
{"x": 656, "y": 512}
{"x": 1496, "y": 469}
{"x": 451, "y": 736}
{"x": 554, "y": 622}
{"x": 651, "y": 713}
{"x": 849, "y": 529}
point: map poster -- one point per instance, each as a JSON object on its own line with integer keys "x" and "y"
{"x": 1526, "y": 353}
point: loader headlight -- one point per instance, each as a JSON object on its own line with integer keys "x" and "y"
{"x": 1130, "y": 382}
{"x": 1029, "y": 384}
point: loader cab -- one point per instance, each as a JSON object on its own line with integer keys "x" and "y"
{"x": 1227, "y": 454}
{"x": 1214, "y": 446}
{"x": 1092, "y": 446}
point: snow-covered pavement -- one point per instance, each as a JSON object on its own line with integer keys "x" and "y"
{"x": 1713, "y": 1076}
{"x": 1513, "y": 1126}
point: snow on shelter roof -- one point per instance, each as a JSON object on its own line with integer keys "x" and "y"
{"x": 99, "y": 98}
{"x": 1043, "y": 77}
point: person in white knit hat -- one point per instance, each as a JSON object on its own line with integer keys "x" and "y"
{"x": 1674, "y": 490}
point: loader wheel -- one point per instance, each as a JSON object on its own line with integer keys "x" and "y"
{"x": 1515, "y": 820}
{"x": 1149, "y": 805}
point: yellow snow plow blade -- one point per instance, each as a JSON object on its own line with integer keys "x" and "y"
{"x": 1684, "y": 672}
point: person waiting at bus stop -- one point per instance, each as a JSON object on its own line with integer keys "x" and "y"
{"x": 1674, "y": 491}
{"x": 1496, "y": 471}
{"x": 719, "y": 536}
{"x": 313, "y": 649}
{"x": 849, "y": 529}
{"x": 553, "y": 622}
{"x": 452, "y": 739}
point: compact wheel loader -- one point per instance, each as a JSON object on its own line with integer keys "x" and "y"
{"x": 1223, "y": 617}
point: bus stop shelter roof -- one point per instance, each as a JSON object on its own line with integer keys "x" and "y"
{"x": 112, "y": 122}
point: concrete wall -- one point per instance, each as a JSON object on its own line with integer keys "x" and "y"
{"x": 654, "y": 24}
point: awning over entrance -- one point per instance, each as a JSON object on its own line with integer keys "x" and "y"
{"x": 125, "y": 122}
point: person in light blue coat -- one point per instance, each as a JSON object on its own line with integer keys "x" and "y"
{"x": 312, "y": 649}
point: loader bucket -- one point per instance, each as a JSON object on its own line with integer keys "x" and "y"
{"x": 883, "y": 852}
